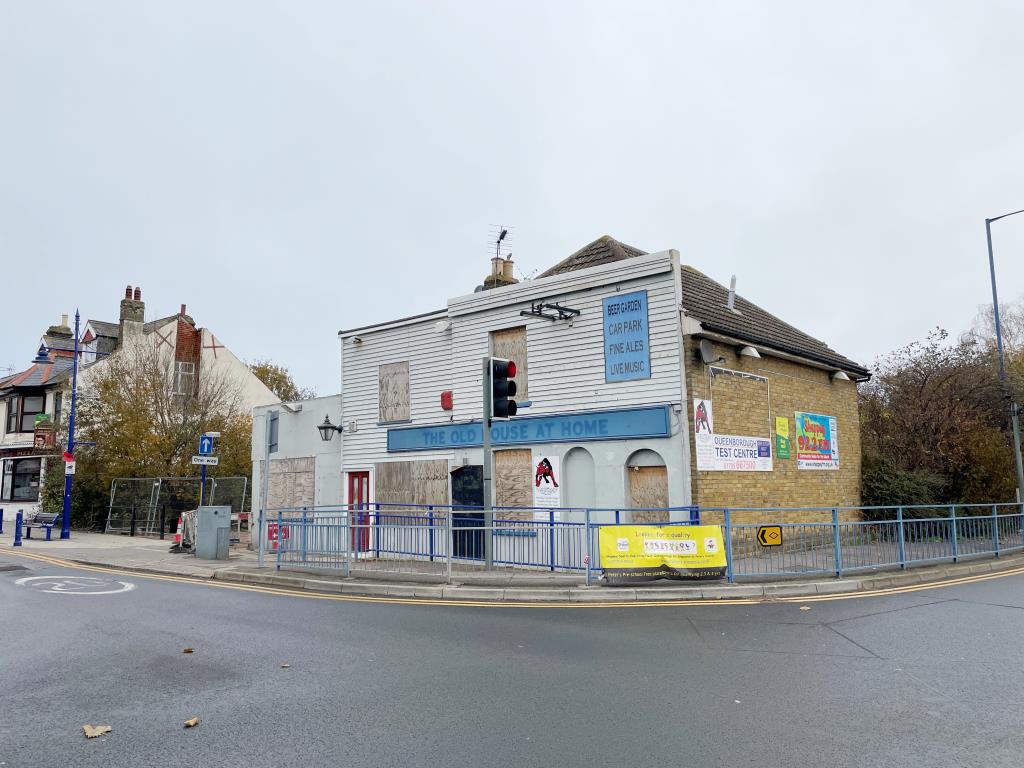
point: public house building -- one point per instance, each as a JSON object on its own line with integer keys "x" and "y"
{"x": 650, "y": 386}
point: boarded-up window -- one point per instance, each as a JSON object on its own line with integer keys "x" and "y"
{"x": 510, "y": 344}
{"x": 291, "y": 483}
{"x": 411, "y": 482}
{"x": 393, "y": 392}
{"x": 513, "y": 475}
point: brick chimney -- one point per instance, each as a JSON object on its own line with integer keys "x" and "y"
{"x": 133, "y": 315}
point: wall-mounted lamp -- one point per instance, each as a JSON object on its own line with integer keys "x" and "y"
{"x": 327, "y": 429}
{"x": 749, "y": 351}
{"x": 839, "y": 376}
{"x": 357, "y": 339}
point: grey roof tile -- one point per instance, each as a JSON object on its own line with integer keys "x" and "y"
{"x": 604, "y": 250}
{"x": 705, "y": 300}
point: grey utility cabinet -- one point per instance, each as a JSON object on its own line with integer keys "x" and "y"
{"x": 213, "y": 530}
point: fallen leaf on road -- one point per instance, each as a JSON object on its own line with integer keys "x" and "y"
{"x": 187, "y": 650}
{"x": 805, "y": 607}
{"x": 285, "y": 665}
{"x": 91, "y": 732}
{"x": 192, "y": 723}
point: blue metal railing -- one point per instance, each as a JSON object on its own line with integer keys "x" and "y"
{"x": 814, "y": 540}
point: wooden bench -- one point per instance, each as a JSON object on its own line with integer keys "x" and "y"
{"x": 41, "y": 520}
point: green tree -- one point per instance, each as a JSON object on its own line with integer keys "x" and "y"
{"x": 933, "y": 426}
{"x": 279, "y": 381}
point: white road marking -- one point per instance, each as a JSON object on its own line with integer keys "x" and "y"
{"x": 75, "y": 585}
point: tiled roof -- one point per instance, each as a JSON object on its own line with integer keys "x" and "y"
{"x": 705, "y": 300}
{"x": 57, "y": 342}
{"x": 105, "y": 329}
{"x": 113, "y": 330}
{"x": 40, "y": 374}
{"x": 604, "y": 250}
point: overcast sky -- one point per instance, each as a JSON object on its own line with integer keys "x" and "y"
{"x": 288, "y": 169}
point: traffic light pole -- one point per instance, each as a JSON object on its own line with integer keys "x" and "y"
{"x": 488, "y": 469}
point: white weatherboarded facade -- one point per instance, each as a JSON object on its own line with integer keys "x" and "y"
{"x": 620, "y": 444}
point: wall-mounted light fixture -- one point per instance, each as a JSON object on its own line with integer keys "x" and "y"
{"x": 749, "y": 351}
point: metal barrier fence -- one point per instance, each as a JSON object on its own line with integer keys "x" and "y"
{"x": 439, "y": 541}
{"x": 838, "y": 540}
{"x": 140, "y": 503}
{"x": 436, "y": 540}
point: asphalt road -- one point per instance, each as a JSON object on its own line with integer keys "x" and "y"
{"x": 929, "y": 678}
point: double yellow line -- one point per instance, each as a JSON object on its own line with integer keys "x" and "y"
{"x": 310, "y": 595}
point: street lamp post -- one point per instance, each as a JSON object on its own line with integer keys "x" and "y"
{"x": 1014, "y": 410}
{"x": 65, "y": 522}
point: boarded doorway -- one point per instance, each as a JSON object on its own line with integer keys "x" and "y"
{"x": 513, "y": 484}
{"x": 648, "y": 487}
{"x": 468, "y": 492}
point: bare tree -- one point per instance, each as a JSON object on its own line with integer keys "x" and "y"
{"x": 145, "y": 416}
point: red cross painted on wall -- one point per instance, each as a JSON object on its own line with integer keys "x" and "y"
{"x": 164, "y": 339}
{"x": 213, "y": 345}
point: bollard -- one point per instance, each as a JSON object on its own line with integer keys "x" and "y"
{"x": 17, "y": 528}
{"x": 163, "y": 520}
{"x": 1, "y": 519}
{"x": 132, "y": 529}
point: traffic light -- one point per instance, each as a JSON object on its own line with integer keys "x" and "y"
{"x": 503, "y": 390}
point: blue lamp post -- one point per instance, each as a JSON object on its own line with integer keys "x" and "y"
{"x": 65, "y": 523}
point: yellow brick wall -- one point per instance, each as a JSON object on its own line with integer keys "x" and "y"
{"x": 751, "y": 405}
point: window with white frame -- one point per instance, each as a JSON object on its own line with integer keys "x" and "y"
{"x": 184, "y": 377}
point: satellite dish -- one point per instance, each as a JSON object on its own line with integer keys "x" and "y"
{"x": 707, "y": 352}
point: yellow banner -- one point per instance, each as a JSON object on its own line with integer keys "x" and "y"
{"x": 641, "y": 552}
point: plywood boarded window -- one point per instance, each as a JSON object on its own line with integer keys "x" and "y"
{"x": 291, "y": 482}
{"x": 411, "y": 482}
{"x": 393, "y": 392}
{"x": 513, "y": 477}
{"x": 740, "y": 403}
{"x": 510, "y": 344}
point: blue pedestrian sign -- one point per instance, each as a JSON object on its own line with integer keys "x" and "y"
{"x": 205, "y": 445}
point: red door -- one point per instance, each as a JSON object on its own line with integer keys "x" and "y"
{"x": 359, "y": 502}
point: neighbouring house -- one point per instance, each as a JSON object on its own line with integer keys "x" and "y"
{"x": 197, "y": 352}
{"x": 31, "y": 402}
{"x": 650, "y": 384}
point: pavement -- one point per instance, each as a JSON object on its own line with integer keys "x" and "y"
{"x": 390, "y": 579}
{"x": 289, "y": 678}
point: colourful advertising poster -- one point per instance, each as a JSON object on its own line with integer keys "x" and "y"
{"x": 781, "y": 437}
{"x": 631, "y": 553}
{"x": 817, "y": 441}
{"x": 727, "y": 453}
{"x": 547, "y": 476}
{"x": 627, "y": 354}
